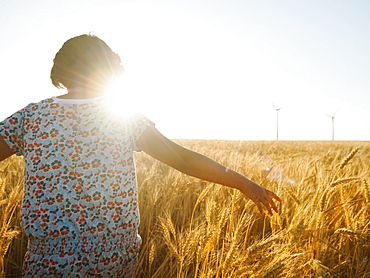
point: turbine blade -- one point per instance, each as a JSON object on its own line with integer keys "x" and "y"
{"x": 336, "y": 112}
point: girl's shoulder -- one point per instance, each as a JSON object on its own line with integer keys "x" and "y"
{"x": 34, "y": 106}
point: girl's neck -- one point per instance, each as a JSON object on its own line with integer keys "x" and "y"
{"x": 79, "y": 93}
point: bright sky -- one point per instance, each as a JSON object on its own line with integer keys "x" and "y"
{"x": 208, "y": 69}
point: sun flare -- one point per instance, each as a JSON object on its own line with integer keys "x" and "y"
{"x": 119, "y": 101}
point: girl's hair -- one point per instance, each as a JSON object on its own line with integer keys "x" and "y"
{"x": 80, "y": 58}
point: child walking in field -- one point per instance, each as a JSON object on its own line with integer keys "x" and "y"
{"x": 80, "y": 209}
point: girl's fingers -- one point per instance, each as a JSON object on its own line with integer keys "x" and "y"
{"x": 259, "y": 206}
{"x": 273, "y": 205}
{"x": 273, "y": 195}
{"x": 266, "y": 204}
{"x": 268, "y": 207}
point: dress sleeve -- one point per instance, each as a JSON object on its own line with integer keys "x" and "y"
{"x": 139, "y": 124}
{"x": 12, "y": 131}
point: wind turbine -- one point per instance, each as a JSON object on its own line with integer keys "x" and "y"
{"x": 332, "y": 123}
{"x": 277, "y": 121}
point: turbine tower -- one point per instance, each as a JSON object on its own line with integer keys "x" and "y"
{"x": 277, "y": 121}
{"x": 332, "y": 124}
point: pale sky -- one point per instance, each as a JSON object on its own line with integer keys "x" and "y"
{"x": 208, "y": 69}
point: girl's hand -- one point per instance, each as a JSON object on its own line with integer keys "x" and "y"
{"x": 262, "y": 197}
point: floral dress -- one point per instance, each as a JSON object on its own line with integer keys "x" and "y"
{"x": 80, "y": 209}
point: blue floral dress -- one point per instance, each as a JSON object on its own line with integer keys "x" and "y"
{"x": 80, "y": 209}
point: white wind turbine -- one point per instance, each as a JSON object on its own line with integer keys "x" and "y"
{"x": 332, "y": 123}
{"x": 277, "y": 121}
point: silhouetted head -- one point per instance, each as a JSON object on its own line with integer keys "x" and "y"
{"x": 82, "y": 60}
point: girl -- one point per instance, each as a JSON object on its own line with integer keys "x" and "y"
{"x": 80, "y": 208}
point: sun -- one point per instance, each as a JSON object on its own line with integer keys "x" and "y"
{"x": 119, "y": 101}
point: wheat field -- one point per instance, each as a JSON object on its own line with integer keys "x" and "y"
{"x": 192, "y": 228}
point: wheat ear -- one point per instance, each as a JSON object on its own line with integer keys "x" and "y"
{"x": 348, "y": 158}
{"x": 367, "y": 191}
{"x": 347, "y": 232}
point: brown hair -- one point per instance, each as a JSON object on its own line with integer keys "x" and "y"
{"x": 81, "y": 57}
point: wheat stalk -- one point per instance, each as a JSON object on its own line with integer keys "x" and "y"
{"x": 367, "y": 191}
{"x": 274, "y": 271}
{"x": 291, "y": 195}
{"x": 319, "y": 267}
{"x": 241, "y": 226}
{"x": 347, "y": 217}
{"x": 244, "y": 271}
{"x": 188, "y": 244}
{"x": 167, "y": 236}
{"x": 347, "y": 232}
{"x": 323, "y": 201}
{"x": 348, "y": 158}
{"x": 151, "y": 254}
{"x": 343, "y": 181}
{"x": 226, "y": 264}
{"x": 7, "y": 233}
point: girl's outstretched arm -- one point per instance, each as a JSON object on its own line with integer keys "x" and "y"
{"x": 197, "y": 165}
{"x": 5, "y": 151}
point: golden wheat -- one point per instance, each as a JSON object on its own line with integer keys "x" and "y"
{"x": 274, "y": 271}
{"x": 367, "y": 191}
{"x": 348, "y": 158}
{"x": 192, "y": 228}
{"x": 347, "y": 232}
{"x": 9, "y": 206}
{"x": 344, "y": 181}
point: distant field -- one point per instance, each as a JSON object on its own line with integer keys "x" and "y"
{"x": 192, "y": 228}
